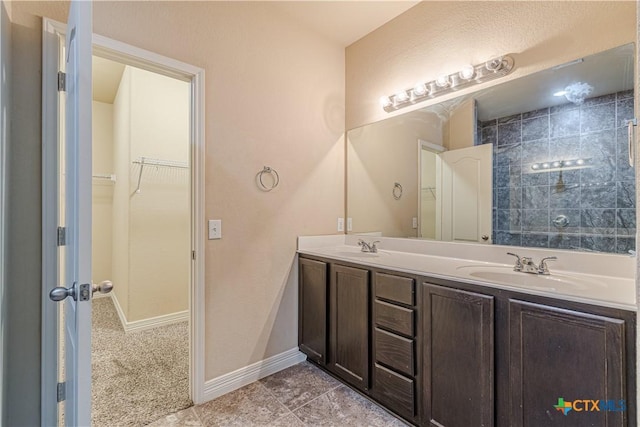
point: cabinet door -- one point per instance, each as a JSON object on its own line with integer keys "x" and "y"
{"x": 350, "y": 324}
{"x": 458, "y": 358}
{"x": 560, "y": 356}
{"x": 312, "y": 309}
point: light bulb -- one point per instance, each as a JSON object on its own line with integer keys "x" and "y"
{"x": 560, "y": 93}
{"x": 556, "y": 164}
{"x": 467, "y": 72}
{"x": 579, "y": 162}
{"x": 535, "y": 166}
{"x": 568, "y": 163}
{"x": 385, "y": 101}
{"x": 420, "y": 89}
{"x": 545, "y": 166}
{"x": 443, "y": 81}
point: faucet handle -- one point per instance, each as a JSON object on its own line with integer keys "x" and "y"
{"x": 373, "y": 246}
{"x": 543, "y": 268}
{"x": 518, "y": 266}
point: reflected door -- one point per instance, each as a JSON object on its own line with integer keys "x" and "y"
{"x": 464, "y": 181}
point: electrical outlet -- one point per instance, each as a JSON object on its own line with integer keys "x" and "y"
{"x": 340, "y": 224}
{"x": 215, "y": 229}
{"x": 349, "y": 224}
{"x": 415, "y": 222}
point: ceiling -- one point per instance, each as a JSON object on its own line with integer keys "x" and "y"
{"x": 343, "y": 22}
{"x": 106, "y": 79}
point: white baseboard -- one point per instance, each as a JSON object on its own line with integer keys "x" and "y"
{"x": 234, "y": 380}
{"x": 152, "y": 322}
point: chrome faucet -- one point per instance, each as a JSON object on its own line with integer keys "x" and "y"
{"x": 543, "y": 268}
{"x": 526, "y": 264}
{"x": 368, "y": 247}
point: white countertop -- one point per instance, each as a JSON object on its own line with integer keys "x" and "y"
{"x": 610, "y": 290}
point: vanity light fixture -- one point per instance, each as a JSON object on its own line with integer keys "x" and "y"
{"x": 401, "y": 97}
{"x": 467, "y": 76}
{"x": 443, "y": 81}
{"x": 419, "y": 90}
{"x": 467, "y": 72}
{"x": 559, "y": 165}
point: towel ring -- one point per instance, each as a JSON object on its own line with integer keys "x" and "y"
{"x": 276, "y": 179}
{"x": 397, "y": 191}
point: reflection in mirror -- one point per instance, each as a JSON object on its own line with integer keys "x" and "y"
{"x": 428, "y": 153}
{"x": 558, "y": 177}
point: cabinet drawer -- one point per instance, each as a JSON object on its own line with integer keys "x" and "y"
{"x": 395, "y": 351}
{"x": 394, "y": 317}
{"x": 395, "y": 288}
{"x": 395, "y": 391}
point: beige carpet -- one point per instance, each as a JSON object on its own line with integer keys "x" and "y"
{"x": 137, "y": 377}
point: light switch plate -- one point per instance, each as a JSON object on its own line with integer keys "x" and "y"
{"x": 340, "y": 224}
{"x": 215, "y": 229}
{"x": 414, "y": 223}
{"x": 349, "y": 224}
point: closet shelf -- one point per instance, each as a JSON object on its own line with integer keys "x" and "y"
{"x": 148, "y": 161}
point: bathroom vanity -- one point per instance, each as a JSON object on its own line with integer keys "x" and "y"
{"x": 447, "y": 341}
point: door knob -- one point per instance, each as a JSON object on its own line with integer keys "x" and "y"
{"x": 485, "y": 237}
{"x": 59, "y": 293}
{"x": 76, "y": 292}
{"x": 103, "y": 287}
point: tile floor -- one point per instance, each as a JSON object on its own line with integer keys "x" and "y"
{"x": 302, "y": 395}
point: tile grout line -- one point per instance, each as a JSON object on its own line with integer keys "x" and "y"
{"x": 277, "y": 400}
{"x": 319, "y": 396}
{"x": 193, "y": 410}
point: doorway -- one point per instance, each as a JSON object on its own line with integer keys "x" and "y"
{"x": 427, "y": 179}
{"x": 140, "y": 244}
{"x": 136, "y": 188}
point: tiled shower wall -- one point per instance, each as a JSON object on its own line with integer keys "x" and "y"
{"x": 598, "y": 201}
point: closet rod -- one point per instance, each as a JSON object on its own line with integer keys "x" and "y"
{"x": 110, "y": 177}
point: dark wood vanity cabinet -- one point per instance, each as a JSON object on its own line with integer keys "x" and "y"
{"x": 458, "y": 330}
{"x": 395, "y": 346}
{"x": 312, "y": 309}
{"x": 440, "y": 353}
{"x": 349, "y": 320}
{"x": 557, "y": 353}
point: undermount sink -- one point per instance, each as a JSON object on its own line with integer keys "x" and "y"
{"x": 506, "y": 275}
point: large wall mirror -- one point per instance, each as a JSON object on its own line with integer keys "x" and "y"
{"x": 539, "y": 161}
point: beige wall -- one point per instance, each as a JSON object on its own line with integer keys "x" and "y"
{"x": 274, "y": 96}
{"x": 435, "y": 38}
{"x": 159, "y": 222}
{"x": 462, "y": 126}
{"x": 371, "y": 175}
{"x": 102, "y": 205}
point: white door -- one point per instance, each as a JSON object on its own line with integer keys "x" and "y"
{"x": 464, "y": 183}
{"x": 77, "y": 173}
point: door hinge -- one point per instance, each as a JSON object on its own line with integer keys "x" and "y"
{"x": 193, "y": 255}
{"x": 62, "y": 236}
{"x": 62, "y": 81}
{"x": 61, "y": 391}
